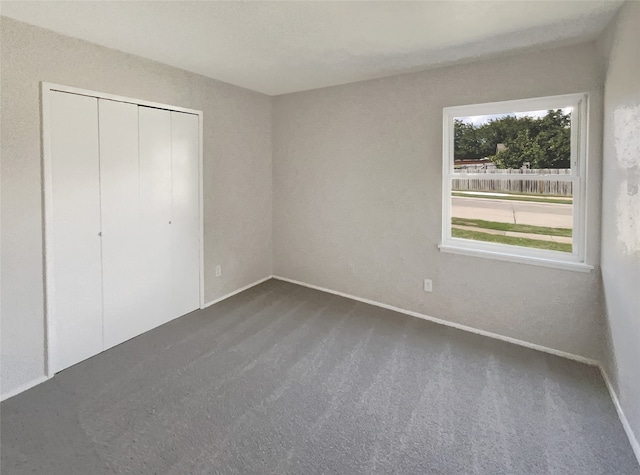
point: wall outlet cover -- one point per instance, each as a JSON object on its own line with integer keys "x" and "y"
{"x": 428, "y": 285}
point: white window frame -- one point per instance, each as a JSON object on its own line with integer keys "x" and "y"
{"x": 575, "y": 260}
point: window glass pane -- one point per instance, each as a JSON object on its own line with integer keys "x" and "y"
{"x": 520, "y": 143}
{"x": 530, "y": 213}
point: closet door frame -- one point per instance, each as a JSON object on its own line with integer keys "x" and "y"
{"x": 47, "y": 200}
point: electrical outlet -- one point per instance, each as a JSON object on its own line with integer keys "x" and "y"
{"x": 428, "y": 285}
{"x": 218, "y": 271}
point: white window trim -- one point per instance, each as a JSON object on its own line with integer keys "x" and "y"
{"x": 579, "y": 131}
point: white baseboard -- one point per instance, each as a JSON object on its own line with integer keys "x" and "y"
{"x": 242, "y": 289}
{"x": 625, "y": 423}
{"x": 23, "y": 387}
{"x": 623, "y": 419}
{"x": 42, "y": 379}
{"x": 466, "y": 328}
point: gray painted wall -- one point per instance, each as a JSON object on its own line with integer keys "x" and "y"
{"x": 237, "y": 172}
{"x": 621, "y": 209}
{"x": 357, "y": 181}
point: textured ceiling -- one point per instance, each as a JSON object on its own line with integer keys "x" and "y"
{"x": 282, "y": 47}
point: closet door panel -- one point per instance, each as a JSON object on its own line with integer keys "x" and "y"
{"x": 185, "y": 212}
{"x": 123, "y": 271}
{"x": 76, "y": 300}
{"x": 155, "y": 200}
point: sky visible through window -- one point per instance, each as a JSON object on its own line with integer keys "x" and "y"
{"x": 528, "y": 207}
{"x": 483, "y": 119}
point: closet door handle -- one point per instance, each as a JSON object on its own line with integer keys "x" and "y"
{"x": 100, "y": 234}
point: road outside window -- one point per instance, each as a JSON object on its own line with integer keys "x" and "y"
{"x": 513, "y": 178}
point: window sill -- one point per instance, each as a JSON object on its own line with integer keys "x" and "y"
{"x": 536, "y": 261}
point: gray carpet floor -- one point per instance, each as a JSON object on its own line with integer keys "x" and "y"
{"x": 281, "y": 379}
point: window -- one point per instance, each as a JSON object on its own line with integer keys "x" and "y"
{"x": 514, "y": 180}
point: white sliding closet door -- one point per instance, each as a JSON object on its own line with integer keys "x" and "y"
{"x": 155, "y": 202}
{"x": 185, "y": 212}
{"x": 122, "y": 266}
{"x": 74, "y": 280}
{"x": 122, "y": 200}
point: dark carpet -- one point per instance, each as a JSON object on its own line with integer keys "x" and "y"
{"x": 281, "y": 379}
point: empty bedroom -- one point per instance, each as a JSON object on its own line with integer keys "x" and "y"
{"x": 320, "y": 237}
